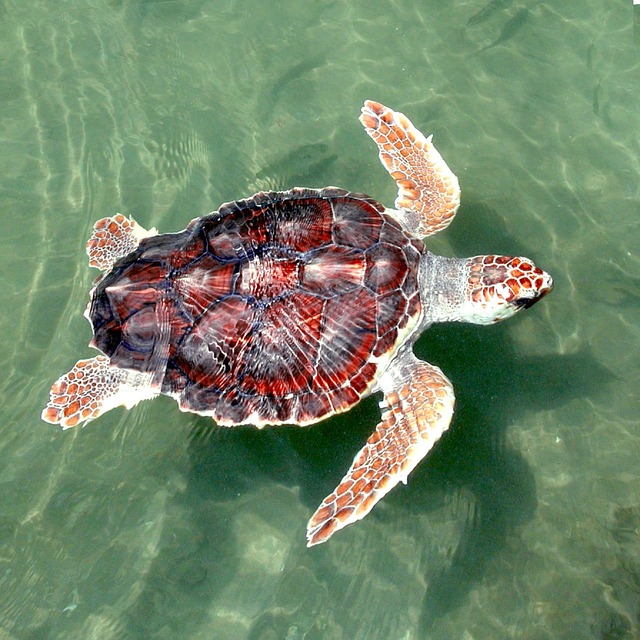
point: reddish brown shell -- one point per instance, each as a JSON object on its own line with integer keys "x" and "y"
{"x": 282, "y": 307}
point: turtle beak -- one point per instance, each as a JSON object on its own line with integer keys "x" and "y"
{"x": 536, "y": 294}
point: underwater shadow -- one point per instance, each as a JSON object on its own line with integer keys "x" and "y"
{"x": 196, "y": 561}
{"x": 494, "y": 386}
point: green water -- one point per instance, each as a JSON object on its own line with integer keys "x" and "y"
{"x": 524, "y": 523}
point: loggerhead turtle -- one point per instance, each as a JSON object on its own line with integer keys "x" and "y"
{"x": 289, "y": 307}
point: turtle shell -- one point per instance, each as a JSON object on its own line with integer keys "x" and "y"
{"x": 282, "y": 308}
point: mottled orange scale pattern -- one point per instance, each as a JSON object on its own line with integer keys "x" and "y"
{"x": 78, "y": 395}
{"x": 426, "y": 186}
{"x": 111, "y": 237}
{"x": 418, "y": 410}
{"x": 488, "y": 271}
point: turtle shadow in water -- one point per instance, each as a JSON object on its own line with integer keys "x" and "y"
{"x": 494, "y": 384}
{"x": 197, "y": 558}
{"x": 228, "y": 462}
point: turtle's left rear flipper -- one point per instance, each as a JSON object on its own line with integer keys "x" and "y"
{"x": 113, "y": 238}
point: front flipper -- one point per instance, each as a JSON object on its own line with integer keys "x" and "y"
{"x": 112, "y": 239}
{"x": 92, "y": 388}
{"x": 428, "y": 191}
{"x": 417, "y": 410}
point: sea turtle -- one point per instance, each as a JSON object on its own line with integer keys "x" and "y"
{"x": 289, "y": 307}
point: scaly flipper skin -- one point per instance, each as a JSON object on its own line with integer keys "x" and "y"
{"x": 417, "y": 410}
{"x": 428, "y": 191}
{"x": 112, "y": 239}
{"x": 91, "y": 388}
{"x": 95, "y": 386}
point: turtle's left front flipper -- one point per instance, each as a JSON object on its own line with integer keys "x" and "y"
{"x": 417, "y": 410}
{"x": 428, "y": 191}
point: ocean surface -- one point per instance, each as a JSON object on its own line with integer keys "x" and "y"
{"x": 524, "y": 522}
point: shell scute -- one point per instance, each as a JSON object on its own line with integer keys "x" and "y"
{"x": 387, "y": 268}
{"x": 304, "y": 227}
{"x": 413, "y": 309}
{"x": 347, "y": 339}
{"x": 139, "y": 330}
{"x": 389, "y": 308}
{"x": 281, "y": 367}
{"x": 333, "y": 270}
{"x": 276, "y": 273}
{"x": 362, "y": 379}
{"x": 357, "y": 224}
{"x": 207, "y": 352}
{"x": 228, "y": 245}
{"x": 385, "y": 342}
{"x": 203, "y": 282}
{"x": 313, "y": 404}
{"x": 192, "y": 249}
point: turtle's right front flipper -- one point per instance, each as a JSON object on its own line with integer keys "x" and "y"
{"x": 417, "y": 410}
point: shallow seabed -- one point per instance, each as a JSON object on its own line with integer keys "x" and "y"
{"x": 525, "y": 521}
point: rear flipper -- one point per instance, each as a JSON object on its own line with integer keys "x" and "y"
{"x": 112, "y": 239}
{"x": 92, "y": 388}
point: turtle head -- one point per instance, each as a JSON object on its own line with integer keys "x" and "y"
{"x": 499, "y": 286}
{"x": 481, "y": 290}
